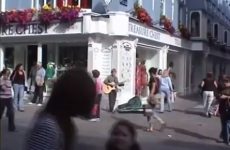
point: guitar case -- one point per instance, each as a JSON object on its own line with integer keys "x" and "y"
{"x": 133, "y": 105}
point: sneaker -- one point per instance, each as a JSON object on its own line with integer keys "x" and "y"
{"x": 93, "y": 120}
{"x": 97, "y": 119}
{"x": 39, "y": 104}
{"x": 30, "y": 103}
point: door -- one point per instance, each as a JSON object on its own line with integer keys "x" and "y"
{"x": 32, "y": 56}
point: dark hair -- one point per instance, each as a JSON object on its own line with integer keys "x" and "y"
{"x": 96, "y": 73}
{"x": 159, "y": 71}
{"x": 153, "y": 70}
{"x": 73, "y": 95}
{"x": 113, "y": 70}
{"x": 131, "y": 129}
{"x": 209, "y": 75}
{"x": 3, "y": 72}
{"x": 17, "y": 67}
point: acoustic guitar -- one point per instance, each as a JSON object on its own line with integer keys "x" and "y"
{"x": 108, "y": 88}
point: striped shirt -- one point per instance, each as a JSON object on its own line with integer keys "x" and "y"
{"x": 5, "y": 89}
{"x": 45, "y": 135}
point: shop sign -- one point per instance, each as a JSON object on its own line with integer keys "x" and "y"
{"x": 144, "y": 32}
{"x": 29, "y": 29}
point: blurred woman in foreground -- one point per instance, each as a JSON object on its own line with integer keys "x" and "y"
{"x": 123, "y": 136}
{"x": 73, "y": 95}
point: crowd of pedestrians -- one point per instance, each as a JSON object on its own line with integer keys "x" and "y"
{"x": 53, "y": 127}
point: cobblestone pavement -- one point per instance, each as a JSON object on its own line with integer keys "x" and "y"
{"x": 186, "y": 129}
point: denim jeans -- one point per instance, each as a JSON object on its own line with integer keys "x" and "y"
{"x": 18, "y": 96}
{"x": 165, "y": 92}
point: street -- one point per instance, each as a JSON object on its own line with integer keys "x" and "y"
{"x": 186, "y": 129}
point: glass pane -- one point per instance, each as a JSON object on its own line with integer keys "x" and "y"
{"x": 9, "y": 57}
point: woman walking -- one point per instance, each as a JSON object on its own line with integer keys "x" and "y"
{"x": 154, "y": 98}
{"x": 166, "y": 89}
{"x": 6, "y": 99}
{"x": 18, "y": 78}
{"x": 96, "y": 108}
{"x": 209, "y": 86}
{"x": 73, "y": 95}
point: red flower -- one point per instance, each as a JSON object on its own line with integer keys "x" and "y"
{"x": 143, "y": 15}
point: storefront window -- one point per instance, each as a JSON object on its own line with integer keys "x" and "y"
{"x": 9, "y": 57}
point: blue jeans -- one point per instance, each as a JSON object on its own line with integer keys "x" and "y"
{"x": 166, "y": 92}
{"x": 18, "y": 96}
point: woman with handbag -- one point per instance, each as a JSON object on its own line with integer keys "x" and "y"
{"x": 96, "y": 108}
{"x": 18, "y": 78}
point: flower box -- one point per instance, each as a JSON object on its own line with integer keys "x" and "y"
{"x": 167, "y": 24}
{"x": 142, "y": 15}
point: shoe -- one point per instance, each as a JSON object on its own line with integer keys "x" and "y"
{"x": 93, "y": 120}
{"x": 30, "y": 103}
{"x": 39, "y": 105}
{"x": 21, "y": 110}
{"x": 97, "y": 119}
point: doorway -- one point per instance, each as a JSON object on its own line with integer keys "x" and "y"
{"x": 32, "y": 56}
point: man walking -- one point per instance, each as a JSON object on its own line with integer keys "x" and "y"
{"x": 39, "y": 85}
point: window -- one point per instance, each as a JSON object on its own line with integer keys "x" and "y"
{"x": 9, "y": 57}
{"x": 186, "y": 17}
{"x": 153, "y": 4}
{"x": 82, "y": 3}
{"x": 225, "y": 37}
{"x": 195, "y": 24}
{"x": 216, "y": 31}
{"x": 162, "y": 7}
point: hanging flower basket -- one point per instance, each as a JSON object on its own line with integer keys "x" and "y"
{"x": 167, "y": 24}
{"x": 184, "y": 32}
{"x": 17, "y": 16}
{"x": 142, "y": 15}
{"x": 44, "y": 16}
{"x": 68, "y": 13}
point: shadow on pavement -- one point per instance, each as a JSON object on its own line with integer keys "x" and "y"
{"x": 190, "y": 112}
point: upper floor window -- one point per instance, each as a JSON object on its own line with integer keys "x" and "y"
{"x": 162, "y": 7}
{"x": 209, "y": 5}
{"x": 82, "y": 3}
{"x": 226, "y": 37}
{"x": 216, "y": 31}
{"x": 195, "y": 24}
{"x": 213, "y": 8}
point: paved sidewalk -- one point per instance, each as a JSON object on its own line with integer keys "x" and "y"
{"x": 186, "y": 129}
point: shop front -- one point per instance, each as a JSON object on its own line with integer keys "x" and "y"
{"x": 98, "y": 42}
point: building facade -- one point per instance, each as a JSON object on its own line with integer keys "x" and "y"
{"x": 209, "y": 24}
{"x": 111, "y": 37}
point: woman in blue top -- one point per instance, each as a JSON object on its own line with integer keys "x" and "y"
{"x": 166, "y": 89}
